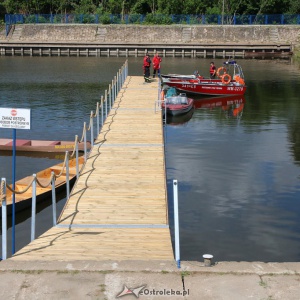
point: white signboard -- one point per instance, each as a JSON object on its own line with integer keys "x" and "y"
{"x": 15, "y": 118}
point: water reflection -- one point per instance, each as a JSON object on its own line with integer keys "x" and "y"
{"x": 232, "y": 106}
{"x": 180, "y": 119}
{"x": 49, "y": 155}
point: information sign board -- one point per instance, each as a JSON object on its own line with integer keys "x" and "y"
{"x": 15, "y": 118}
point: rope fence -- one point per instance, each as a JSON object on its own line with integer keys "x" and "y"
{"x": 102, "y": 110}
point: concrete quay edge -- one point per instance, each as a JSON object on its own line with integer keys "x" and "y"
{"x": 153, "y": 280}
{"x": 155, "y": 266}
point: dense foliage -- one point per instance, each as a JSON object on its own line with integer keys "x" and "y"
{"x": 229, "y": 7}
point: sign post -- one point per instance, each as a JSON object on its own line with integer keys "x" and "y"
{"x": 14, "y": 118}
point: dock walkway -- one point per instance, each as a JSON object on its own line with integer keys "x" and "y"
{"x": 118, "y": 208}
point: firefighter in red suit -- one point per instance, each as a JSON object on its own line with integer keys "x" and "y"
{"x": 156, "y": 65}
{"x": 146, "y": 66}
{"x": 212, "y": 70}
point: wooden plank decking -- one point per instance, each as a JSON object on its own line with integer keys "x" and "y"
{"x": 118, "y": 207}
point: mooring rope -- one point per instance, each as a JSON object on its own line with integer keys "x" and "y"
{"x": 2, "y": 196}
{"x": 22, "y": 191}
{"x": 48, "y": 184}
{"x": 91, "y": 120}
{"x": 74, "y": 150}
{"x": 83, "y": 131}
{"x": 63, "y": 166}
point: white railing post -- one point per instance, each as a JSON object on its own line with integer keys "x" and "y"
{"x": 109, "y": 95}
{"x": 98, "y": 122}
{"x": 115, "y": 87}
{"x": 77, "y": 157}
{"x": 123, "y": 74}
{"x": 67, "y": 175}
{"x": 33, "y": 208}
{"x": 176, "y": 223}
{"x": 102, "y": 112}
{"x": 4, "y": 221}
{"x": 117, "y": 82}
{"x": 92, "y": 129}
{"x": 105, "y": 99}
{"x": 53, "y": 199}
{"x": 112, "y": 92}
{"x": 84, "y": 141}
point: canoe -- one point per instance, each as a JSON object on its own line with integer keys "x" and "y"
{"x": 41, "y": 145}
{"x": 23, "y": 201}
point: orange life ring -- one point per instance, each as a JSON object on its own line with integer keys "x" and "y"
{"x": 224, "y": 81}
{"x": 219, "y": 72}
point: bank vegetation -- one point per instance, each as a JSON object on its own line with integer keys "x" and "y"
{"x": 144, "y": 7}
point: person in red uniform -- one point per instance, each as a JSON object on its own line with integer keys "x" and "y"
{"x": 156, "y": 65}
{"x": 212, "y": 70}
{"x": 146, "y": 67}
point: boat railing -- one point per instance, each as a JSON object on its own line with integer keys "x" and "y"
{"x": 102, "y": 110}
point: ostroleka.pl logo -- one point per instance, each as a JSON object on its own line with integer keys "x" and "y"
{"x": 142, "y": 290}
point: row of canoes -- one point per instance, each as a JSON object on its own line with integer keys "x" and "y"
{"x": 23, "y": 201}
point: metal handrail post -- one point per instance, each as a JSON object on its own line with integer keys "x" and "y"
{"x": 105, "y": 100}
{"x": 109, "y": 95}
{"x": 112, "y": 91}
{"x": 53, "y": 199}
{"x": 67, "y": 175}
{"x": 176, "y": 223}
{"x": 115, "y": 85}
{"x": 33, "y": 208}
{"x": 4, "y": 222}
{"x": 121, "y": 77}
{"x": 102, "y": 112}
{"x": 77, "y": 157}
{"x": 92, "y": 129}
{"x": 98, "y": 122}
{"x": 84, "y": 141}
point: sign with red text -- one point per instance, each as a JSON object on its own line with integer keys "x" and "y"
{"x": 14, "y": 118}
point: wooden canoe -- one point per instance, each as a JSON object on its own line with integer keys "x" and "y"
{"x": 23, "y": 201}
{"x": 41, "y": 145}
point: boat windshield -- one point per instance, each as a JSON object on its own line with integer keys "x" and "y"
{"x": 177, "y": 100}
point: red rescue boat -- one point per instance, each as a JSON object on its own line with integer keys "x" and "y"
{"x": 227, "y": 83}
{"x": 174, "y": 104}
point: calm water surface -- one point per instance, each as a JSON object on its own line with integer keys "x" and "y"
{"x": 237, "y": 160}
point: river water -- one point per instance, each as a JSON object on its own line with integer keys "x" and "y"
{"x": 237, "y": 160}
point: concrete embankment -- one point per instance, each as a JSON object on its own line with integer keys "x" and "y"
{"x": 135, "y": 40}
{"x": 159, "y": 279}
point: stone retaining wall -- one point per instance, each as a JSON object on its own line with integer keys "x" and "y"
{"x": 138, "y": 34}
